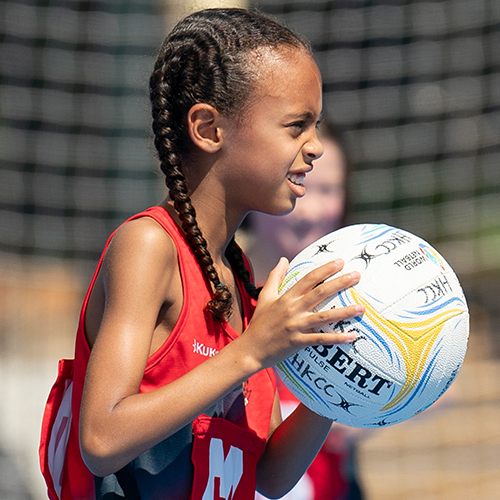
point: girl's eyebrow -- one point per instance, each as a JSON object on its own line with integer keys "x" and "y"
{"x": 306, "y": 115}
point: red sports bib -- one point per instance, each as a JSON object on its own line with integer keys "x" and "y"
{"x": 225, "y": 457}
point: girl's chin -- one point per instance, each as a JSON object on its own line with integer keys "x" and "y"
{"x": 284, "y": 209}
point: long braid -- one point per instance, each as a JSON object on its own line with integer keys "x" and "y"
{"x": 235, "y": 256}
{"x": 166, "y": 140}
{"x": 205, "y": 59}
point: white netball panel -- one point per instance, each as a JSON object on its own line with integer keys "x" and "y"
{"x": 411, "y": 341}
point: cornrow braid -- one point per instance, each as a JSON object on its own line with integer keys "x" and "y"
{"x": 206, "y": 59}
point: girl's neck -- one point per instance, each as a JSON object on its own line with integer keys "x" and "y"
{"x": 213, "y": 224}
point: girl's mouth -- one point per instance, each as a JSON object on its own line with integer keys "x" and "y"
{"x": 297, "y": 184}
{"x": 297, "y": 179}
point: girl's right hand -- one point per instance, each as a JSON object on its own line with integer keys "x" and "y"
{"x": 282, "y": 325}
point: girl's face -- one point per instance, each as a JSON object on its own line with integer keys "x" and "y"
{"x": 269, "y": 150}
{"x": 319, "y": 213}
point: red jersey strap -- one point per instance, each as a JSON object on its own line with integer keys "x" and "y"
{"x": 225, "y": 458}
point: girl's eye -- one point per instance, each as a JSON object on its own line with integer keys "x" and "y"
{"x": 300, "y": 125}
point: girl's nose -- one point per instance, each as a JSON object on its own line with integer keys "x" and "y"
{"x": 313, "y": 149}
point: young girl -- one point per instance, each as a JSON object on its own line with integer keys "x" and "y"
{"x": 179, "y": 398}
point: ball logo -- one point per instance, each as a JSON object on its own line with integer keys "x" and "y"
{"x": 324, "y": 248}
{"x": 432, "y": 254}
{"x": 392, "y": 242}
{"x": 436, "y": 290}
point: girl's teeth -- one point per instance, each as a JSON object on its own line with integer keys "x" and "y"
{"x": 297, "y": 179}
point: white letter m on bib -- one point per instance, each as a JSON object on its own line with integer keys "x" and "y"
{"x": 223, "y": 474}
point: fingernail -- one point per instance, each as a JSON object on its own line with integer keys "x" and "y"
{"x": 350, "y": 336}
{"x": 354, "y": 275}
{"x": 339, "y": 262}
{"x": 360, "y": 308}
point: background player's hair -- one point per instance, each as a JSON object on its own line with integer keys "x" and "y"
{"x": 329, "y": 130}
{"x": 208, "y": 58}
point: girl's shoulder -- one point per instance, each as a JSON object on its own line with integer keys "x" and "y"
{"x": 139, "y": 272}
{"x": 143, "y": 237}
{"x": 141, "y": 252}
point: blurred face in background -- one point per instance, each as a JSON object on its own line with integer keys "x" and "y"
{"x": 319, "y": 212}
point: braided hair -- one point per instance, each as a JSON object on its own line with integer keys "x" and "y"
{"x": 207, "y": 58}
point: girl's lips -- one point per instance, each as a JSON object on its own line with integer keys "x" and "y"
{"x": 297, "y": 184}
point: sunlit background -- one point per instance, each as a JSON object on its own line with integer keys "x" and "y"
{"x": 415, "y": 86}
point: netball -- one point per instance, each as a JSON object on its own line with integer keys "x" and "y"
{"x": 411, "y": 341}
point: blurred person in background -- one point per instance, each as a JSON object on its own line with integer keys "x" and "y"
{"x": 266, "y": 238}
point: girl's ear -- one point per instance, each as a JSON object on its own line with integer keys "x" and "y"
{"x": 204, "y": 123}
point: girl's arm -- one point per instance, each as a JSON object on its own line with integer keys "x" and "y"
{"x": 290, "y": 450}
{"x": 140, "y": 267}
